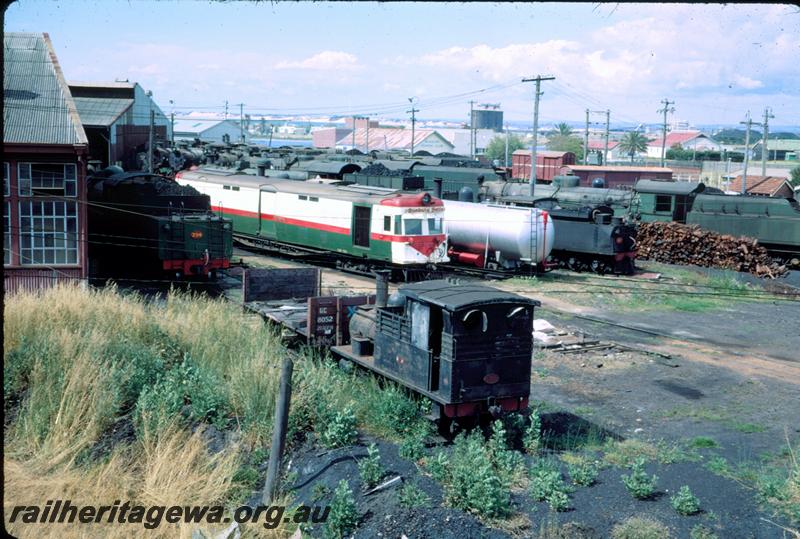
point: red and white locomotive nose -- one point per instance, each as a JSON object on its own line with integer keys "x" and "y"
{"x": 418, "y": 226}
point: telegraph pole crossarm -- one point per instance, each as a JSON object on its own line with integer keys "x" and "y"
{"x": 538, "y": 80}
{"x": 749, "y": 123}
{"x": 413, "y": 112}
{"x": 666, "y": 102}
{"x": 764, "y": 139}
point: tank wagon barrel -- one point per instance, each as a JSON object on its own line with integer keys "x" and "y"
{"x": 489, "y": 235}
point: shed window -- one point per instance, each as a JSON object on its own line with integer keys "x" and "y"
{"x": 47, "y": 179}
{"x": 663, "y": 203}
{"x": 387, "y": 223}
{"x": 6, "y": 181}
{"x": 48, "y": 232}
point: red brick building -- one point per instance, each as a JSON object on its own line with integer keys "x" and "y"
{"x": 44, "y": 169}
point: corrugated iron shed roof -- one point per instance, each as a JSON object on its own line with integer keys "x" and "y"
{"x": 389, "y": 138}
{"x": 679, "y": 137}
{"x": 94, "y": 84}
{"x": 782, "y": 144}
{"x": 99, "y": 111}
{"x": 37, "y": 104}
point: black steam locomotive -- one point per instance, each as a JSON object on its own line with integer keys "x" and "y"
{"x": 143, "y": 224}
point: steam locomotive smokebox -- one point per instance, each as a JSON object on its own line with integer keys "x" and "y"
{"x": 362, "y": 346}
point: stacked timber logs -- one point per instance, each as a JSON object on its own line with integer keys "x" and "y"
{"x": 675, "y": 243}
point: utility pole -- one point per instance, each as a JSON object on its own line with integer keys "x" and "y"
{"x": 506, "y": 161}
{"x": 538, "y": 80}
{"x": 586, "y": 141}
{"x": 413, "y": 112}
{"x": 764, "y": 139}
{"x": 226, "y": 110}
{"x": 241, "y": 122}
{"x": 749, "y": 123}
{"x": 666, "y": 102}
{"x": 471, "y": 126}
{"x": 354, "y": 132}
{"x": 150, "y": 141}
{"x": 172, "y": 123}
{"x": 608, "y": 128}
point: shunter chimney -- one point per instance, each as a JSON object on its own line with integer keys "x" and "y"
{"x": 381, "y": 288}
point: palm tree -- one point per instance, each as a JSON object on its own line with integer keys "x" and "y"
{"x": 563, "y": 130}
{"x": 633, "y": 143}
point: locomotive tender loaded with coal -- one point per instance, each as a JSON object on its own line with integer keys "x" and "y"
{"x": 467, "y": 347}
{"x": 144, "y": 224}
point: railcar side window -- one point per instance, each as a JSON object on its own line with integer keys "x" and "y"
{"x": 434, "y": 225}
{"x": 413, "y": 227}
{"x": 313, "y": 199}
{"x": 397, "y": 221}
{"x": 663, "y": 203}
{"x": 387, "y": 223}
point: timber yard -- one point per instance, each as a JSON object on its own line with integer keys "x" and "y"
{"x": 429, "y": 317}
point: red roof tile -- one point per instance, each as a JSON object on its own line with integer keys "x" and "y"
{"x": 758, "y": 185}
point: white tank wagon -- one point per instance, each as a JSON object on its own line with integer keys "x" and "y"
{"x": 492, "y": 236}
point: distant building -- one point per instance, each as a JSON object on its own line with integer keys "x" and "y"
{"x": 779, "y": 149}
{"x": 597, "y": 147}
{"x": 485, "y": 118}
{"x": 688, "y": 140}
{"x": 327, "y": 137}
{"x": 116, "y": 117}
{"x": 45, "y": 153}
{"x": 615, "y": 176}
{"x": 388, "y": 138}
{"x": 769, "y": 186}
{"x": 209, "y": 130}
{"x": 460, "y": 139}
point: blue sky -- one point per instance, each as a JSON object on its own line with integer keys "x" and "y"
{"x": 714, "y": 61}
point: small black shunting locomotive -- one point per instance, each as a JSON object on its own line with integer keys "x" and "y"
{"x": 467, "y": 347}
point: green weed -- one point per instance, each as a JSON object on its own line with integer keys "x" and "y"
{"x": 370, "y": 468}
{"x": 638, "y": 483}
{"x": 411, "y": 496}
{"x": 684, "y": 502}
{"x": 344, "y": 516}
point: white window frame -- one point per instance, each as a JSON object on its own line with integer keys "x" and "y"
{"x": 7, "y": 232}
{"x": 6, "y": 179}
{"x": 48, "y": 233}
{"x": 25, "y": 179}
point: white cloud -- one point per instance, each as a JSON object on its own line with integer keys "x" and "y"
{"x": 747, "y": 83}
{"x": 325, "y": 60}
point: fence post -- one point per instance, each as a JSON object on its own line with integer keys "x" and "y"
{"x": 279, "y": 432}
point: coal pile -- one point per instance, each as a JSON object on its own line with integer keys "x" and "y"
{"x": 165, "y": 187}
{"x": 377, "y": 169}
{"x": 675, "y": 243}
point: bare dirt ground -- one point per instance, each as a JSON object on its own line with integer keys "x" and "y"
{"x": 726, "y": 372}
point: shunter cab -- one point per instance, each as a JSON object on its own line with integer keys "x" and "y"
{"x": 467, "y": 347}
